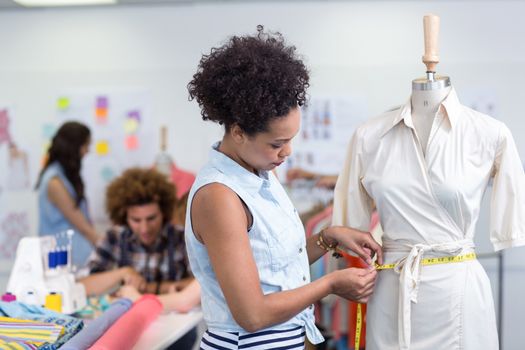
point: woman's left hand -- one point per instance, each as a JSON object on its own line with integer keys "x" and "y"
{"x": 360, "y": 242}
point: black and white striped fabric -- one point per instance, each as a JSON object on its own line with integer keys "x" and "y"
{"x": 271, "y": 339}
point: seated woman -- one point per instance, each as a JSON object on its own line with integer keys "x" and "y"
{"x": 175, "y": 300}
{"x": 143, "y": 248}
{"x": 61, "y": 201}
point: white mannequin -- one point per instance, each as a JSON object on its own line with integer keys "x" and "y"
{"x": 425, "y": 106}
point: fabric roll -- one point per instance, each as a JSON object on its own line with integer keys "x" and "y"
{"x": 124, "y": 333}
{"x": 95, "y": 329}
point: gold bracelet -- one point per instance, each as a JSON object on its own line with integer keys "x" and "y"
{"x": 327, "y": 247}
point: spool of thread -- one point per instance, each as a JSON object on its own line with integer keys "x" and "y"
{"x": 53, "y": 302}
{"x": 8, "y": 297}
{"x": 62, "y": 257}
{"x": 52, "y": 260}
{"x": 31, "y": 298}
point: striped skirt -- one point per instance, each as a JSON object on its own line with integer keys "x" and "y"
{"x": 271, "y": 339}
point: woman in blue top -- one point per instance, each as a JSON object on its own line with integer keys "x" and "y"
{"x": 246, "y": 244}
{"x": 61, "y": 200}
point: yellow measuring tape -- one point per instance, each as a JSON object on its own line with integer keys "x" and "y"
{"x": 426, "y": 262}
{"x": 434, "y": 261}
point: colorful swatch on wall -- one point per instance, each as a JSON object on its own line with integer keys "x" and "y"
{"x": 48, "y": 131}
{"x": 102, "y": 147}
{"x": 132, "y": 142}
{"x": 131, "y": 129}
{"x": 107, "y": 173}
{"x": 63, "y": 103}
{"x": 101, "y": 109}
{"x": 131, "y": 126}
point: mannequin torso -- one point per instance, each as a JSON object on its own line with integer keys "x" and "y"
{"x": 425, "y": 105}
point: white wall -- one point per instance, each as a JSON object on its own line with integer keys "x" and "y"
{"x": 373, "y": 48}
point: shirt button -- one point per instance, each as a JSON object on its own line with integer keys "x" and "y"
{"x": 304, "y": 278}
{"x": 311, "y": 306}
{"x": 300, "y": 250}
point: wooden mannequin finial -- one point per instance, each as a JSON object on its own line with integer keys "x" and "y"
{"x": 431, "y": 31}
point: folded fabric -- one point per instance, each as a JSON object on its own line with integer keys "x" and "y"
{"x": 96, "y": 328}
{"x": 126, "y": 331}
{"x": 8, "y": 343}
{"x": 23, "y": 311}
{"x": 37, "y": 333}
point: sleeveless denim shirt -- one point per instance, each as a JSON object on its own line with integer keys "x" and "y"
{"x": 277, "y": 240}
{"x": 52, "y": 221}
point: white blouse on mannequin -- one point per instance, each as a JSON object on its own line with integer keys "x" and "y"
{"x": 428, "y": 205}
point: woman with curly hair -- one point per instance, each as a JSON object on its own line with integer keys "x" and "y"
{"x": 246, "y": 244}
{"x": 143, "y": 248}
{"x": 143, "y": 251}
{"x": 61, "y": 200}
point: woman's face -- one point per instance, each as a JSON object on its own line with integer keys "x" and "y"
{"x": 267, "y": 150}
{"x": 84, "y": 149}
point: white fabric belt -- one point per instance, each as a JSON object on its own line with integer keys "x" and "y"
{"x": 409, "y": 277}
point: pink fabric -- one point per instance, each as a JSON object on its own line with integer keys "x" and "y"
{"x": 374, "y": 220}
{"x": 124, "y": 333}
{"x": 310, "y": 224}
{"x": 182, "y": 179}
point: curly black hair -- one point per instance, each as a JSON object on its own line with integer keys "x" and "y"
{"x": 250, "y": 81}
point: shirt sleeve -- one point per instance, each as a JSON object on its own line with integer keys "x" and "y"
{"x": 352, "y": 204}
{"x": 103, "y": 258}
{"x": 507, "y": 218}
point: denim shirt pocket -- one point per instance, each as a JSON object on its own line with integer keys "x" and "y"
{"x": 285, "y": 248}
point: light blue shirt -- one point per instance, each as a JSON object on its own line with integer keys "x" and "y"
{"x": 277, "y": 239}
{"x": 51, "y": 221}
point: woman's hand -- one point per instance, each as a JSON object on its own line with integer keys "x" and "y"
{"x": 133, "y": 278}
{"x": 129, "y": 292}
{"x": 360, "y": 242}
{"x": 353, "y": 283}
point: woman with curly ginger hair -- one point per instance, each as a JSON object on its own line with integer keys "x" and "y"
{"x": 246, "y": 244}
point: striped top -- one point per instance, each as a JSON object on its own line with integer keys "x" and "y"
{"x": 271, "y": 339}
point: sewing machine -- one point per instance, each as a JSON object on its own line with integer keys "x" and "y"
{"x": 38, "y": 272}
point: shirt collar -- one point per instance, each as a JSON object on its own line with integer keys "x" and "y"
{"x": 450, "y": 107}
{"x": 248, "y": 180}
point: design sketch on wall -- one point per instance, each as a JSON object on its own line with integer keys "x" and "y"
{"x": 5, "y": 135}
{"x": 14, "y": 226}
{"x": 327, "y": 126}
{"x": 14, "y": 157}
{"x": 117, "y": 120}
{"x": 18, "y": 166}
